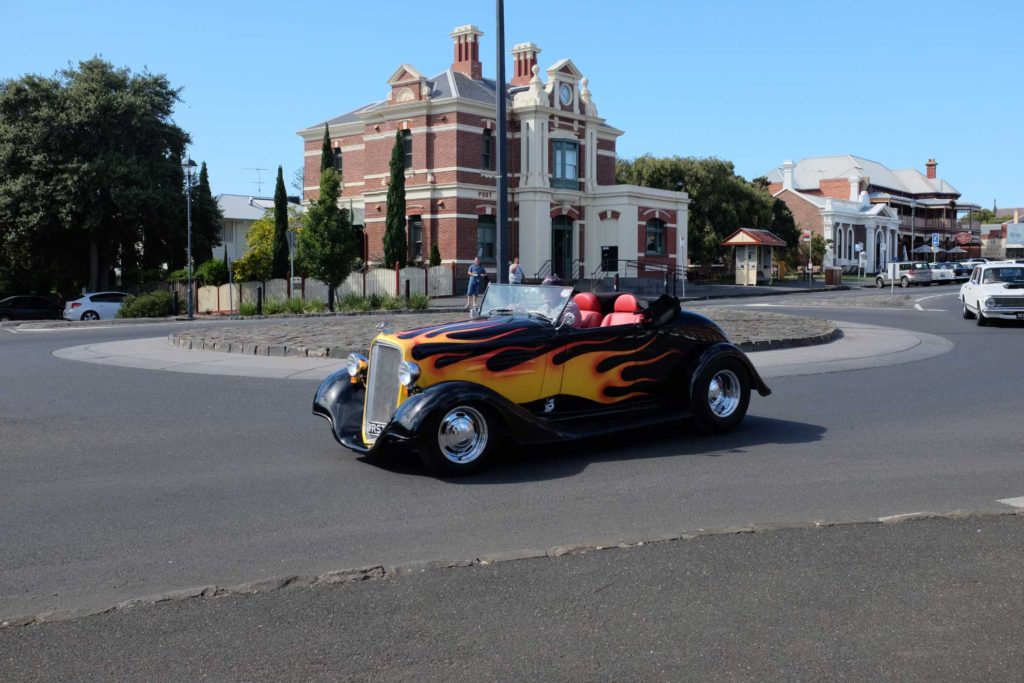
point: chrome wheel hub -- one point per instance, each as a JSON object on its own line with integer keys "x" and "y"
{"x": 462, "y": 435}
{"x": 724, "y": 393}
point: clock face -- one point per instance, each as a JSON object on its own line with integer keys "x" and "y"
{"x": 565, "y": 94}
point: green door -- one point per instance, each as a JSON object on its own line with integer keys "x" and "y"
{"x": 561, "y": 247}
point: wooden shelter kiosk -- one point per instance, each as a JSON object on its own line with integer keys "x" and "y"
{"x": 753, "y": 254}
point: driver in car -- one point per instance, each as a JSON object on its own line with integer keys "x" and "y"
{"x": 553, "y": 296}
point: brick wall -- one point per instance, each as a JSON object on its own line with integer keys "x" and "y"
{"x": 805, "y": 214}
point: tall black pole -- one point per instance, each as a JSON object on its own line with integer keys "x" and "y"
{"x": 188, "y": 192}
{"x": 501, "y": 250}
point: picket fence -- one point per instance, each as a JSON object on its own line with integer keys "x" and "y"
{"x": 434, "y": 281}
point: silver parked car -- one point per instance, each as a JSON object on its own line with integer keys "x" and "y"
{"x": 904, "y": 274}
{"x": 95, "y": 306}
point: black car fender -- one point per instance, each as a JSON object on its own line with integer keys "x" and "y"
{"x": 727, "y": 350}
{"x": 415, "y": 413}
{"x": 339, "y": 400}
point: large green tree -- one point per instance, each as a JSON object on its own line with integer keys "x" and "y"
{"x": 327, "y": 241}
{"x": 91, "y": 176}
{"x": 720, "y": 200}
{"x": 207, "y": 218}
{"x": 280, "y": 264}
{"x": 396, "y": 245}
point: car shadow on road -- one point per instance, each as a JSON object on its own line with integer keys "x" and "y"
{"x": 518, "y": 464}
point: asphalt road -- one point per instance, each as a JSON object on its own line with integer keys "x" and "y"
{"x": 120, "y": 483}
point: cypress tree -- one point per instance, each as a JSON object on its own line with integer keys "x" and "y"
{"x": 396, "y": 247}
{"x": 206, "y": 219}
{"x": 326, "y": 153}
{"x": 279, "y": 266}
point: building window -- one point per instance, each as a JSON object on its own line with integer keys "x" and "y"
{"x": 416, "y": 238}
{"x": 655, "y": 237}
{"x": 486, "y": 236}
{"x": 407, "y": 147}
{"x": 337, "y": 159}
{"x": 487, "y": 143}
{"x": 566, "y": 170}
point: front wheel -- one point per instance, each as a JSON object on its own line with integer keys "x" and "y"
{"x": 967, "y": 314}
{"x": 879, "y": 282}
{"x": 721, "y": 394}
{"x": 458, "y": 440}
{"x": 982, "y": 320}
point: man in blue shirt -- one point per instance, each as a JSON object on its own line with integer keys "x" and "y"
{"x": 477, "y": 273}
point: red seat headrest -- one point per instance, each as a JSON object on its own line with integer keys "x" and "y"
{"x": 587, "y": 301}
{"x": 627, "y": 303}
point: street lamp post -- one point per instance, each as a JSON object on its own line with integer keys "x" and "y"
{"x": 188, "y": 165}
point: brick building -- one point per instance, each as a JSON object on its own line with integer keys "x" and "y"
{"x": 853, "y": 202}
{"x": 564, "y": 204}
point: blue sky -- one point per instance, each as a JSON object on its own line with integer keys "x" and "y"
{"x": 752, "y": 82}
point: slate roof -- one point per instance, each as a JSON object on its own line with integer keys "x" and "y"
{"x": 446, "y": 85}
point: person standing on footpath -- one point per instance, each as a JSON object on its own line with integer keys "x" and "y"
{"x": 477, "y": 273}
{"x": 515, "y": 272}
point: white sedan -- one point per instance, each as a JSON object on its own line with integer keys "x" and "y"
{"x": 994, "y": 292}
{"x": 96, "y": 306}
{"x": 941, "y": 275}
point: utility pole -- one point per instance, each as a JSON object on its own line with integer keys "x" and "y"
{"x": 501, "y": 248}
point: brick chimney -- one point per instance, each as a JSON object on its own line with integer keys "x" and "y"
{"x": 930, "y": 166}
{"x": 467, "y": 51}
{"x": 525, "y": 57}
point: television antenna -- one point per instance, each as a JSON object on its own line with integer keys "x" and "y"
{"x": 259, "y": 179}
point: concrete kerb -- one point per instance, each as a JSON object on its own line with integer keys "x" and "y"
{"x": 395, "y": 572}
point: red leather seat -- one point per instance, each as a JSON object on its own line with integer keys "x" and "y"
{"x": 590, "y": 309}
{"x": 627, "y": 312}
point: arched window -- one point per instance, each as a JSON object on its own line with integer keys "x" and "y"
{"x": 839, "y": 244}
{"x": 654, "y": 237}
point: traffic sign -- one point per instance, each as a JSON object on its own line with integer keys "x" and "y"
{"x": 935, "y": 240}
{"x": 806, "y": 237}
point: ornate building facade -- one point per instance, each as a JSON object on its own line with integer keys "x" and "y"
{"x": 565, "y": 209}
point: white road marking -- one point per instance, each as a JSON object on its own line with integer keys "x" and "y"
{"x": 1013, "y": 502}
{"x": 924, "y": 298}
{"x": 934, "y": 310}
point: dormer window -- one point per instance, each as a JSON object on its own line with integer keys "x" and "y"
{"x": 566, "y": 174}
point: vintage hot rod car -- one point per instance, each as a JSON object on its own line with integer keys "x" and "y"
{"x": 537, "y": 364}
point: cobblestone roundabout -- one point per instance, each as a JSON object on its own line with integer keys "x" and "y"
{"x": 336, "y": 337}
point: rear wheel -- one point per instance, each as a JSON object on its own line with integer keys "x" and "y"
{"x": 458, "y": 440}
{"x": 904, "y": 282}
{"x": 90, "y": 315}
{"x": 721, "y": 394}
{"x": 967, "y": 314}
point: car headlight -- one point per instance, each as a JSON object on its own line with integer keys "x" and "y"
{"x": 990, "y": 303}
{"x": 408, "y": 373}
{"x": 356, "y": 365}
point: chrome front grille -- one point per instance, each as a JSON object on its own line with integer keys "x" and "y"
{"x": 381, "y": 388}
{"x": 1008, "y": 302}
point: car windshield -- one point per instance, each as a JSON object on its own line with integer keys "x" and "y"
{"x": 543, "y": 301}
{"x": 1003, "y": 275}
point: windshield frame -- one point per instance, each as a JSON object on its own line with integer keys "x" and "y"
{"x": 542, "y": 302}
